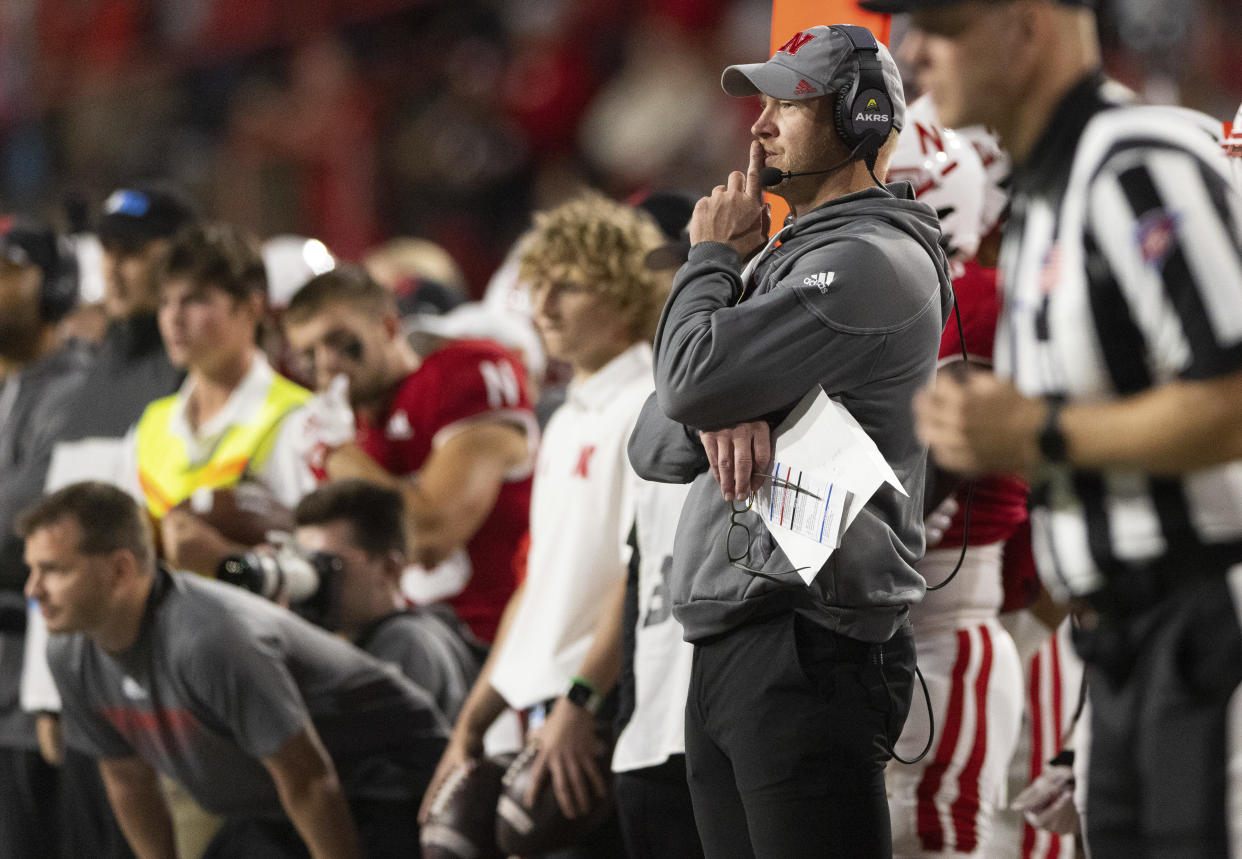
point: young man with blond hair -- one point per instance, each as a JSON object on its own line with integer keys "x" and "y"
{"x": 558, "y": 654}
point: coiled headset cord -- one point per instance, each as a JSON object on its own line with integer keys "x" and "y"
{"x": 970, "y": 495}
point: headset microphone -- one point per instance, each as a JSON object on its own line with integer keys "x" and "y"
{"x": 769, "y": 176}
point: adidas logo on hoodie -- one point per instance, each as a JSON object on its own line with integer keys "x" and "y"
{"x": 821, "y": 281}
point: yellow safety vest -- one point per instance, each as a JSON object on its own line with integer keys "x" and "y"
{"x": 165, "y": 470}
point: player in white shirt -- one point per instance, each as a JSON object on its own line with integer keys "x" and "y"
{"x": 557, "y": 654}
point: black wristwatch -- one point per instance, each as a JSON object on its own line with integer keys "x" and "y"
{"x": 582, "y": 694}
{"x": 1052, "y": 446}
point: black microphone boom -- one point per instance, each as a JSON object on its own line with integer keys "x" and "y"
{"x": 769, "y": 176}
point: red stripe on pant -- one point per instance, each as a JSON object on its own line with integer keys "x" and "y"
{"x": 931, "y": 833}
{"x": 965, "y": 809}
{"x": 1030, "y": 836}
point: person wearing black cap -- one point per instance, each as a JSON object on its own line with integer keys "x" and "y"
{"x": 1118, "y": 390}
{"x": 38, "y": 381}
{"x": 797, "y": 693}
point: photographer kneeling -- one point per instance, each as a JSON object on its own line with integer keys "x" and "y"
{"x": 361, "y": 523}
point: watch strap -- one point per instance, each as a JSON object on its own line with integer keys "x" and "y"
{"x": 1052, "y": 444}
{"x": 582, "y": 693}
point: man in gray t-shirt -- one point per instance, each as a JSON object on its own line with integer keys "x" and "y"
{"x": 257, "y": 713}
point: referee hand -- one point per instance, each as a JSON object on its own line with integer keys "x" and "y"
{"x": 975, "y": 423}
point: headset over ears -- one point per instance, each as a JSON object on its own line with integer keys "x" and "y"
{"x": 864, "y": 111}
{"x": 30, "y": 243}
{"x": 59, "y": 292}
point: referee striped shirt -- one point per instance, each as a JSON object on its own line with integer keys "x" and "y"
{"x": 1122, "y": 271}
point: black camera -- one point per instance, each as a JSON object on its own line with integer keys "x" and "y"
{"x": 310, "y": 581}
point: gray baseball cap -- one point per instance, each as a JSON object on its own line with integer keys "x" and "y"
{"x": 812, "y": 63}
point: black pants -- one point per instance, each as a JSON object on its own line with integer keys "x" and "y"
{"x": 89, "y": 826}
{"x": 28, "y": 806}
{"x": 788, "y": 729}
{"x": 1160, "y": 686}
{"x": 655, "y": 812}
{"x": 387, "y": 830}
{"x": 605, "y": 842}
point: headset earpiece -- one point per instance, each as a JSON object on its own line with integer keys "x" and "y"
{"x": 864, "y": 109}
{"x": 844, "y": 108}
{"x": 58, "y": 293}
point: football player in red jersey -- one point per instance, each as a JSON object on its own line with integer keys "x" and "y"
{"x": 452, "y": 430}
{"x": 945, "y": 803}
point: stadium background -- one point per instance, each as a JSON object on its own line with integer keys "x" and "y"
{"x": 357, "y": 120}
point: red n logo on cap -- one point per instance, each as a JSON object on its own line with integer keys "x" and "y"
{"x": 795, "y": 43}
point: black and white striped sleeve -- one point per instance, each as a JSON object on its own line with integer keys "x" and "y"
{"x": 1163, "y": 241}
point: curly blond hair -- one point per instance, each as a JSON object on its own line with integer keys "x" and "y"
{"x": 602, "y": 246}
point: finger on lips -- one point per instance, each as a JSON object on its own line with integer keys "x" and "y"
{"x": 753, "y": 186}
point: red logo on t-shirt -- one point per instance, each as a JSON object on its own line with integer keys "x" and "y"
{"x": 584, "y": 460}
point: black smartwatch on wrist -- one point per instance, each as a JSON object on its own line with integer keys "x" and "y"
{"x": 582, "y": 694}
{"x": 1052, "y": 445}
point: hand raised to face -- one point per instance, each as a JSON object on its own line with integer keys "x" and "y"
{"x": 735, "y": 213}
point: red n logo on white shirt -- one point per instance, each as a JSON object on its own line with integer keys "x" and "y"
{"x": 584, "y": 460}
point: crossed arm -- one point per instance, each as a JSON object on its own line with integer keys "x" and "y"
{"x": 665, "y": 451}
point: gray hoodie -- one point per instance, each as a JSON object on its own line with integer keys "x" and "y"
{"x": 854, "y": 299}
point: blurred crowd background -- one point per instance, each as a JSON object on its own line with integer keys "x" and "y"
{"x": 354, "y": 121}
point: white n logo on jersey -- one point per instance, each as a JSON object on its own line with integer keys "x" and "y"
{"x": 821, "y": 281}
{"x": 501, "y": 383}
{"x": 399, "y": 428}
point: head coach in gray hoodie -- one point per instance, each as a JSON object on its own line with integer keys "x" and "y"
{"x": 798, "y": 692}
